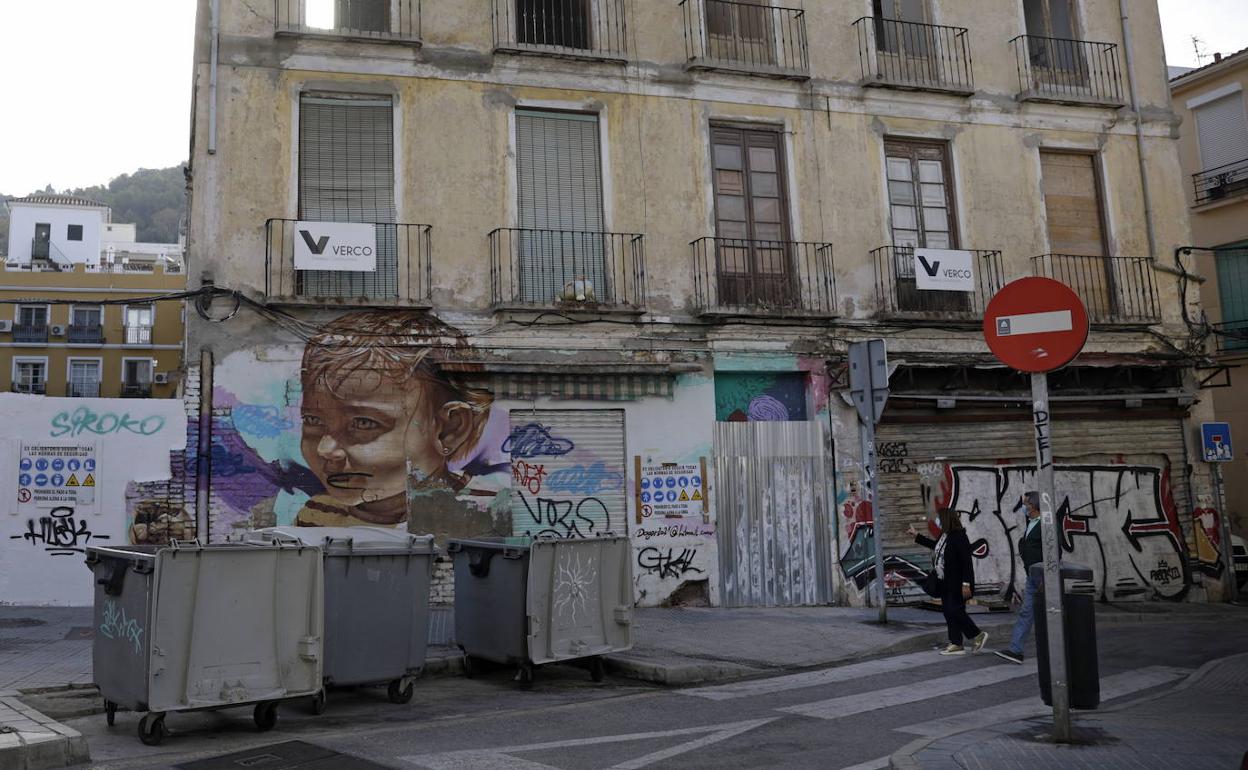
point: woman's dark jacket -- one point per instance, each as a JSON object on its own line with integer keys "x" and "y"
{"x": 959, "y": 563}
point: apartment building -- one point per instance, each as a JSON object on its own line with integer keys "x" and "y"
{"x": 81, "y": 317}
{"x": 1213, "y": 150}
{"x": 566, "y": 267}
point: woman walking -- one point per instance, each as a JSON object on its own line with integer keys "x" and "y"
{"x": 954, "y": 571}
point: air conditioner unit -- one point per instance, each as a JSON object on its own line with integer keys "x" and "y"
{"x": 58, "y": 331}
{"x": 6, "y": 326}
{"x": 161, "y": 378}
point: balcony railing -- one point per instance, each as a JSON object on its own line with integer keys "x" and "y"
{"x": 898, "y": 292}
{"x": 30, "y": 333}
{"x": 89, "y": 334}
{"x": 1068, "y": 71}
{"x": 136, "y": 390}
{"x": 403, "y": 274}
{"x": 373, "y": 20}
{"x": 593, "y": 29}
{"x": 138, "y": 335}
{"x": 33, "y": 388}
{"x": 82, "y": 390}
{"x": 568, "y": 268}
{"x": 1115, "y": 290}
{"x": 734, "y": 276}
{"x": 40, "y": 249}
{"x": 1221, "y": 182}
{"x": 916, "y": 57}
{"x": 746, "y": 38}
{"x": 1231, "y": 336}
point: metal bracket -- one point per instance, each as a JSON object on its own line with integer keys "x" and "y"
{"x": 1208, "y": 382}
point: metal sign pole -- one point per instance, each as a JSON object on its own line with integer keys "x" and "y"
{"x": 1228, "y": 551}
{"x": 868, "y": 387}
{"x": 877, "y": 528}
{"x": 1054, "y": 620}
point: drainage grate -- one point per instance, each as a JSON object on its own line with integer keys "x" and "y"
{"x": 290, "y": 755}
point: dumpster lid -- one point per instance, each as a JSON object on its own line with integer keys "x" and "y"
{"x": 337, "y": 540}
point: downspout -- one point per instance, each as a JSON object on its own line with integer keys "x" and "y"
{"x": 1129, "y": 48}
{"x": 214, "y": 32}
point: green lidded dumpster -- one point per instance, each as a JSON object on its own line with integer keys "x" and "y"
{"x": 376, "y": 604}
{"x": 191, "y": 627}
{"x": 529, "y": 602}
{"x": 1079, "y": 612}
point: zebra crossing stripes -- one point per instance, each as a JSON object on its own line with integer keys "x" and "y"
{"x": 813, "y": 678}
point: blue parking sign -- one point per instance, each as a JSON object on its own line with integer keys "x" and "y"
{"x": 1216, "y": 440}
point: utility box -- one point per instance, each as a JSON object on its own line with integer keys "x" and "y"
{"x": 1082, "y": 666}
{"x": 376, "y": 604}
{"x": 530, "y": 603}
{"x": 189, "y": 628}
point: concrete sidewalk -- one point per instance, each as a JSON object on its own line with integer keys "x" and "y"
{"x": 1201, "y": 723}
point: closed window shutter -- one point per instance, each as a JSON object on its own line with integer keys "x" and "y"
{"x": 1223, "y": 130}
{"x": 1233, "y": 288}
{"x": 559, "y": 180}
{"x": 346, "y": 174}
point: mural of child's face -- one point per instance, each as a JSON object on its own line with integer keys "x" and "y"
{"x": 359, "y": 439}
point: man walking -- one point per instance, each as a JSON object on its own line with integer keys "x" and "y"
{"x": 1031, "y": 548}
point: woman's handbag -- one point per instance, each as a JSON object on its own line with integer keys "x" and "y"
{"x": 933, "y": 586}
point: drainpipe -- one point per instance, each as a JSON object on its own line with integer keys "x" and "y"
{"x": 214, "y": 32}
{"x": 1129, "y": 48}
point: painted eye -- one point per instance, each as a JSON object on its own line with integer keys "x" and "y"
{"x": 312, "y": 421}
{"x": 364, "y": 423}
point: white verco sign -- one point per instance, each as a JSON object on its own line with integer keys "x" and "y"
{"x": 335, "y": 246}
{"x": 944, "y": 270}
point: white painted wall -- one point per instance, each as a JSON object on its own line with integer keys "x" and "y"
{"x": 24, "y": 217}
{"x": 131, "y": 445}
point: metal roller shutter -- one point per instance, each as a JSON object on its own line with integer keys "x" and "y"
{"x": 567, "y": 472}
{"x": 1222, "y": 127}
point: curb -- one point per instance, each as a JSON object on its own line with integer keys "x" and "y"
{"x": 31, "y": 741}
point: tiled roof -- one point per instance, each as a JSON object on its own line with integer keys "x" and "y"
{"x": 54, "y": 199}
{"x": 1224, "y": 60}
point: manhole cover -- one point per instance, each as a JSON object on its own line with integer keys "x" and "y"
{"x": 21, "y": 622}
{"x": 285, "y": 756}
{"x": 80, "y": 632}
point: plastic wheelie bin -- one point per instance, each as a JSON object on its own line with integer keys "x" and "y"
{"x": 376, "y": 604}
{"x": 191, "y": 627}
{"x": 528, "y": 603}
{"x": 1082, "y": 667}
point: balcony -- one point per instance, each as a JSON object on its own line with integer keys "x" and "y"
{"x": 575, "y": 29}
{"x": 898, "y": 293}
{"x": 569, "y": 269}
{"x": 1231, "y": 336}
{"x": 1076, "y": 72}
{"x": 30, "y": 334}
{"x": 403, "y": 275}
{"x": 138, "y": 335}
{"x": 746, "y": 38}
{"x": 82, "y": 390}
{"x": 1115, "y": 290}
{"x": 914, "y": 57}
{"x": 30, "y": 388}
{"x": 89, "y": 334}
{"x": 789, "y": 279}
{"x": 1222, "y": 182}
{"x": 377, "y": 21}
{"x": 136, "y": 390}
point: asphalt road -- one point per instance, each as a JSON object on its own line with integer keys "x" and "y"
{"x": 847, "y": 717}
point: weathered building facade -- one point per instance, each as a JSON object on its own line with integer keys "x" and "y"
{"x": 613, "y": 252}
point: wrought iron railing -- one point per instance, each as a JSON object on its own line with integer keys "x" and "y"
{"x": 734, "y": 276}
{"x": 403, "y": 273}
{"x": 82, "y": 390}
{"x": 1115, "y": 290}
{"x": 88, "y": 334}
{"x": 138, "y": 335}
{"x": 584, "y": 28}
{"x": 379, "y": 20}
{"x": 136, "y": 390}
{"x": 568, "y": 268}
{"x": 30, "y": 333}
{"x": 898, "y": 292}
{"x": 33, "y": 388}
{"x": 1054, "y": 69}
{"x": 1231, "y": 336}
{"x": 746, "y": 37}
{"x": 1221, "y": 182}
{"x": 40, "y": 249}
{"x": 913, "y": 56}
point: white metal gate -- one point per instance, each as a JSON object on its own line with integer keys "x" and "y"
{"x": 771, "y": 503}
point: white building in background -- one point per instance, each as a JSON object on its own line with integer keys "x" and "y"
{"x": 55, "y": 232}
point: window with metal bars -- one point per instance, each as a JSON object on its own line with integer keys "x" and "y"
{"x": 560, "y": 23}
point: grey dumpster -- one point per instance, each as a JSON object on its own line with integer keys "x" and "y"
{"x": 376, "y": 604}
{"x": 530, "y": 603}
{"x": 189, "y": 628}
{"x": 1082, "y": 667}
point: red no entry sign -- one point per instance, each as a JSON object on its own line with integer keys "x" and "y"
{"x": 1036, "y": 325}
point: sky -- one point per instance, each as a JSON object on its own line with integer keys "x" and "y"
{"x": 97, "y": 88}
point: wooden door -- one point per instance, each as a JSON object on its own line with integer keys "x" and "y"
{"x": 1072, "y": 202}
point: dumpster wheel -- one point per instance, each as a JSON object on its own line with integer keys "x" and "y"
{"x": 597, "y": 669}
{"x": 525, "y": 676}
{"x": 397, "y": 693}
{"x": 265, "y": 715}
{"x": 110, "y": 712}
{"x": 318, "y": 702}
{"x": 470, "y": 668}
{"x": 152, "y": 729}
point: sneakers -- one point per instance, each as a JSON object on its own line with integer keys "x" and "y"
{"x": 980, "y": 641}
{"x": 1010, "y": 655}
{"x": 954, "y": 649}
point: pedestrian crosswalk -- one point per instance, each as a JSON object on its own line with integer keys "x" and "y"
{"x": 754, "y": 687}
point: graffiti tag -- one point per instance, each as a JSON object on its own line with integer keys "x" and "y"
{"x": 86, "y": 420}
{"x": 117, "y": 626}
{"x": 528, "y": 475}
{"x": 535, "y": 440}
{"x": 564, "y": 518}
{"x": 60, "y": 533}
{"x": 1165, "y": 573}
{"x": 674, "y": 530}
{"x": 668, "y": 563}
{"x": 892, "y": 449}
{"x": 585, "y": 480}
{"x": 260, "y": 421}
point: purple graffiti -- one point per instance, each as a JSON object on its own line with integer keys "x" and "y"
{"x": 766, "y": 408}
{"x": 535, "y": 440}
{"x": 585, "y": 480}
